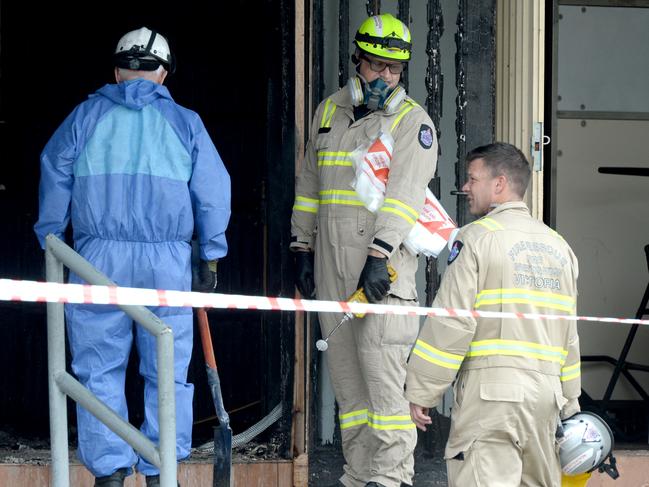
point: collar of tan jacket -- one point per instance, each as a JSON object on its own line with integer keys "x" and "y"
{"x": 509, "y": 205}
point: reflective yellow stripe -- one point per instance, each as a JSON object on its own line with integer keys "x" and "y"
{"x": 401, "y": 422}
{"x": 409, "y": 209}
{"x": 324, "y": 113}
{"x": 556, "y": 234}
{"x": 331, "y": 116}
{"x": 376, "y": 421}
{"x": 353, "y": 418}
{"x": 436, "y": 356}
{"x": 339, "y": 197}
{"x": 517, "y": 348}
{"x": 525, "y": 296}
{"x": 398, "y": 213}
{"x": 305, "y": 208}
{"x": 303, "y": 203}
{"x": 571, "y": 372}
{"x": 335, "y": 163}
{"x": 408, "y": 106}
{"x": 392, "y": 205}
{"x": 489, "y": 224}
{"x": 334, "y": 159}
{"x": 328, "y": 113}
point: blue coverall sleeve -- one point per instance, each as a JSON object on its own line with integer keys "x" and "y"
{"x": 57, "y": 177}
{"x": 210, "y": 192}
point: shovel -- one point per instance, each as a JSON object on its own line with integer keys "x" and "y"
{"x": 222, "y": 433}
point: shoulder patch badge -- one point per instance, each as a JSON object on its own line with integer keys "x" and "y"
{"x": 426, "y": 136}
{"x": 455, "y": 251}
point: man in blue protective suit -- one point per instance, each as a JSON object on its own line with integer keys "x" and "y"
{"x": 137, "y": 175}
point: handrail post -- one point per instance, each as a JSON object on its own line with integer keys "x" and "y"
{"x": 167, "y": 408}
{"x": 56, "y": 364}
{"x": 62, "y": 384}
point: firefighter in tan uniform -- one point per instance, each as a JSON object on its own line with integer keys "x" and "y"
{"x": 514, "y": 377}
{"x": 352, "y": 247}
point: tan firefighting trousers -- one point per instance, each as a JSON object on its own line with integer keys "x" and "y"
{"x": 503, "y": 427}
{"x": 367, "y": 359}
{"x": 367, "y": 363}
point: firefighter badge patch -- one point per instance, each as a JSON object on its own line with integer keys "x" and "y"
{"x": 426, "y": 136}
{"x": 455, "y": 251}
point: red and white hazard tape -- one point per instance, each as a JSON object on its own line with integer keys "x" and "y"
{"x": 52, "y": 292}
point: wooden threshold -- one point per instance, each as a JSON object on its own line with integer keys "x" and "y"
{"x": 278, "y": 473}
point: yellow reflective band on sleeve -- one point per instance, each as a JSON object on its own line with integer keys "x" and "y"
{"x": 401, "y": 422}
{"x": 408, "y": 105}
{"x": 436, "y": 356}
{"x": 489, "y": 224}
{"x": 310, "y": 205}
{"x": 353, "y": 418}
{"x": 339, "y": 197}
{"x": 399, "y": 208}
{"x": 324, "y": 113}
{"x": 517, "y": 348}
{"x": 328, "y": 113}
{"x": 571, "y": 372}
{"x": 334, "y": 159}
{"x": 539, "y": 299}
{"x": 556, "y": 234}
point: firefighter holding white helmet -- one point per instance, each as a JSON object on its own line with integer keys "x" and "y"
{"x": 513, "y": 377}
{"x": 352, "y": 248}
{"x": 136, "y": 174}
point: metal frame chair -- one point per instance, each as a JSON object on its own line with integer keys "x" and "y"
{"x": 621, "y": 367}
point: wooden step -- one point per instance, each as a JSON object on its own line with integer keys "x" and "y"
{"x": 277, "y": 473}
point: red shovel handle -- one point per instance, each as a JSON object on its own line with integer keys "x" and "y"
{"x": 206, "y": 338}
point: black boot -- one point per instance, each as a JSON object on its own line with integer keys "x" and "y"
{"x": 376, "y": 484}
{"x": 116, "y": 479}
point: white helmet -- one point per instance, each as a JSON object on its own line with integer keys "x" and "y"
{"x": 143, "y": 50}
{"x": 585, "y": 443}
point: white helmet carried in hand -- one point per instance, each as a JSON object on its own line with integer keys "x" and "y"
{"x": 143, "y": 50}
{"x": 585, "y": 443}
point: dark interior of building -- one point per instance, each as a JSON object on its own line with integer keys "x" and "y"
{"x": 233, "y": 71}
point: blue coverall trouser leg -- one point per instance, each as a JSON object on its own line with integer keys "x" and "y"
{"x": 101, "y": 338}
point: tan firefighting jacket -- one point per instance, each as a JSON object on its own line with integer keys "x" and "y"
{"x": 324, "y": 196}
{"x": 505, "y": 261}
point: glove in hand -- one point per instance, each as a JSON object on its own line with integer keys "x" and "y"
{"x": 206, "y": 277}
{"x": 375, "y": 279}
{"x": 304, "y": 279}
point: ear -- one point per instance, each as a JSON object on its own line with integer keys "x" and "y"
{"x": 162, "y": 76}
{"x": 118, "y": 76}
{"x": 501, "y": 183}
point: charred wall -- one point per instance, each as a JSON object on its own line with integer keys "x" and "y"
{"x": 235, "y": 71}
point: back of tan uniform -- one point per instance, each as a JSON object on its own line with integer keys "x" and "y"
{"x": 513, "y": 377}
{"x": 366, "y": 357}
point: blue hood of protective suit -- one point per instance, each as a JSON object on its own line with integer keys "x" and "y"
{"x": 134, "y": 94}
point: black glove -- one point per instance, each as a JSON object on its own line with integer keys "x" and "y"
{"x": 375, "y": 279}
{"x": 205, "y": 281}
{"x": 304, "y": 274}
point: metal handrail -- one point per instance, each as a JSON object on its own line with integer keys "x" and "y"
{"x": 62, "y": 384}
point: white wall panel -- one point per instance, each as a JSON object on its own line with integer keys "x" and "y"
{"x": 603, "y": 59}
